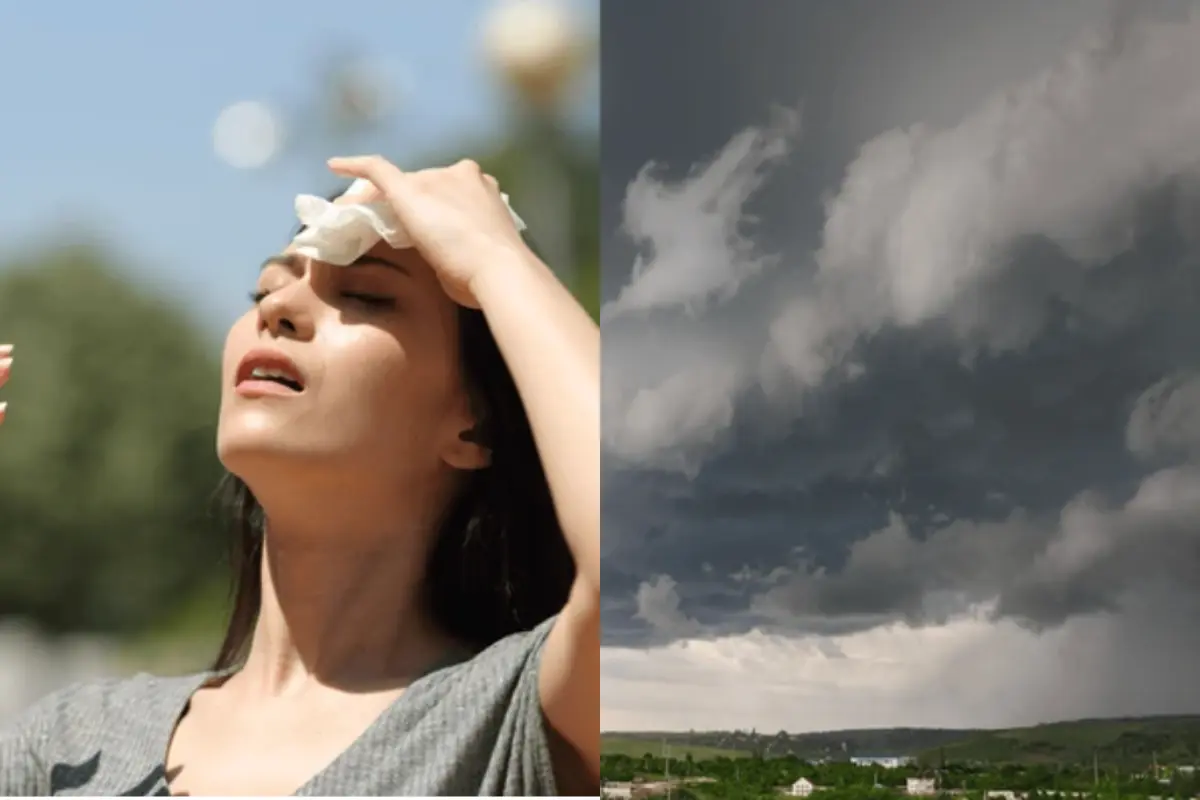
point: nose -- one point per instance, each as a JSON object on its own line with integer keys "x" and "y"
{"x": 288, "y": 312}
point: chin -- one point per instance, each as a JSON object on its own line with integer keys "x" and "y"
{"x": 261, "y": 455}
{"x": 245, "y": 451}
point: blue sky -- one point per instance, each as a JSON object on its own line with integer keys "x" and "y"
{"x": 109, "y": 111}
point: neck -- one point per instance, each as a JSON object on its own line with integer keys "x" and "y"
{"x": 342, "y": 601}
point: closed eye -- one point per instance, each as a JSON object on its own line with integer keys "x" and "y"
{"x": 371, "y": 300}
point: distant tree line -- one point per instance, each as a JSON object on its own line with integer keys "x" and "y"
{"x": 107, "y": 459}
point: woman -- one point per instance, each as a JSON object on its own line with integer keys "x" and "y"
{"x": 418, "y": 611}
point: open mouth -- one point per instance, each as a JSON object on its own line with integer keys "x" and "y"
{"x": 269, "y": 372}
{"x": 275, "y": 376}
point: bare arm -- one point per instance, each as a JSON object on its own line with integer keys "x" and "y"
{"x": 458, "y": 221}
{"x": 552, "y": 348}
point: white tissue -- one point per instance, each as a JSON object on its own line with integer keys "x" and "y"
{"x": 340, "y": 234}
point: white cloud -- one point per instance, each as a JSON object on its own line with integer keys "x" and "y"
{"x": 692, "y": 229}
{"x": 922, "y": 224}
{"x": 919, "y": 231}
{"x": 675, "y": 424}
{"x": 970, "y": 672}
{"x": 886, "y": 676}
{"x": 669, "y": 391}
{"x": 658, "y": 604}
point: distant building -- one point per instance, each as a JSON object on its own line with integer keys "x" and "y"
{"x": 886, "y": 762}
{"x": 920, "y": 787}
{"x": 622, "y": 790}
{"x": 802, "y": 788}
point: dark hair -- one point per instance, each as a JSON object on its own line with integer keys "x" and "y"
{"x": 499, "y": 564}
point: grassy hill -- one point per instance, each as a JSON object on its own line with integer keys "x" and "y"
{"x": 1118, "y": 742}
{"x": 1126, "y": 742}
{"x": 637, "y": 745}
{"x": 809, "y": 746}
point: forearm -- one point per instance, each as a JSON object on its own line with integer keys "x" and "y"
{"x": 552, "y": 348}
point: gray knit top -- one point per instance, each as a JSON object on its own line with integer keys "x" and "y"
{"x": 471, "y": 729}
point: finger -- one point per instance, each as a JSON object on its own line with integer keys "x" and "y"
{"x": 376, "y": 169}
{"x": 469, "y": 165}
{"x": 5, "y": 369}
{"x": 361, "y": 191}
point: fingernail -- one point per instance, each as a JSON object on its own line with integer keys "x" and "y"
{"x": 6, "y": 349}
{"x": 5, "y": 363}
{"x": 3, "y": 408}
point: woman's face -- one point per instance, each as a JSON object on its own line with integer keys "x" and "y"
{"x": 351, "y": 368}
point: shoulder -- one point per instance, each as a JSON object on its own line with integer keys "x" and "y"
{"x": 520, "y": 645}
{"x": 85, "y": 714}
{"x": 91, "y": 736}
{"x": 501, "y": 685}
{"x": 510, "y": 658}
{"x": 107, "y": 698}
{"x": 475, "y": 728}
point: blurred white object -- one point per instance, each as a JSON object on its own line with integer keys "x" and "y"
{"x": 535, "y": 45}
{"x": 247, "y": 135}
{"x": 341, "y": 233}
{"x": 32, "y": 666}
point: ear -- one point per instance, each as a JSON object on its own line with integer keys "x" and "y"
{"x": 467, "y": 452}
{"x": 466, "y": 447}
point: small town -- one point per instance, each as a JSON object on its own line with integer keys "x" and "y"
{"x": 879, "y": 777}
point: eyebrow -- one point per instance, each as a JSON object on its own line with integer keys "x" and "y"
{"x": 289, "y": 260}
{"x": 292, "y": 262}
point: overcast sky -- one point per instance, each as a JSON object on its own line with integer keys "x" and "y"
{"x": 901, "y": 362}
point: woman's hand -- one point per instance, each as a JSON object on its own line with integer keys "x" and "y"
{"x": 5, "y": 370}
{"x": 455, "y": 216}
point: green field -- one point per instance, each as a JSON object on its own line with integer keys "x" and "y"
{"x": 634, "y": 747}
{"x": 1117, "y": 742}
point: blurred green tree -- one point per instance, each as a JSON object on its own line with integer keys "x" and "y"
{"x": 107, "y": 458}
{"x": 580, "y": 164}
{"x": 577, "y": 157}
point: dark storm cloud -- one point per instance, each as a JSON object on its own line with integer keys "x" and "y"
{"x": 962, "y": 366}
{"x": 930, "y": 438}
{"x": 951, "y": 449}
